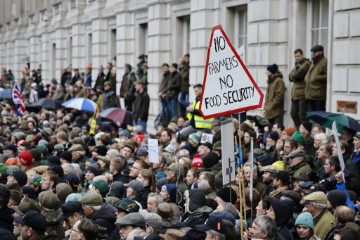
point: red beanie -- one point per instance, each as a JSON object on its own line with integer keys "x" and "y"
{"x": 197, "y": 162}
{"x": 25, "y": 158}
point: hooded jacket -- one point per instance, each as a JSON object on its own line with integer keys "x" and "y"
{"x": 274, "y": 104}
{"x": 6, "y": 219}
{"x": 283, "y": 214}
{"x": 106, "y": 218}
{"x": 54, "y": 225}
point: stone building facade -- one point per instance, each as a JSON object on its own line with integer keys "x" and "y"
{"x": 57, "y": 33}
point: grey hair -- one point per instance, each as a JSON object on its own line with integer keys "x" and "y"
{"x": 322, "y": 137}
{"x": 158, "y": 197}
{"x": 215, "y": 233}
{"x": 230, "y": 208}
{"x": 266, "y": 225}
{"x": 248, "y": 165}
{"x": 319, "y": 205}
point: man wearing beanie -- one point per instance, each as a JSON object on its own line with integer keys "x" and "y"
{"x": 335, "y": 198}
{"x": 25, "y": 161}
{"x": 296, "y": 76}
{"x": 305, "y": 128}
{"x": 274, "y": 102}
{"x": 315, "y": 80}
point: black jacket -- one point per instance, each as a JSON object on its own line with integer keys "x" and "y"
{"x": 6, "y": 219}
{"x": 106, "y": 218}
{"x": 141, "y": 107}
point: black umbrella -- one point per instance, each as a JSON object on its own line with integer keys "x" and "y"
{"x": 48, "y": 103}
{"x": 6, "y": 94}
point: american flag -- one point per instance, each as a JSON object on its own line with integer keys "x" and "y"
{"x": 18, "y": 100}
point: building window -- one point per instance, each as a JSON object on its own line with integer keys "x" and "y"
{"x": 143, "y": 36}
{"x": 89, "y": 48}
{"x": 241, "y": 28}
{"x": 56, "y": 9}
{"x": 72, "y": 4}
{"x": 112, "y": 48}
{"x": 182, "y": 35}
{"x": 43, "y": 15}
{"x": 237, "y": 26}
{"x": 319, "y": 22}
{"x": 91, "y": 1}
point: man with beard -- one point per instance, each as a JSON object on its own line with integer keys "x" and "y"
{"x": 297, "y": 75}
{"x": 267, "y": 178}
{"x": 315, "y": 80}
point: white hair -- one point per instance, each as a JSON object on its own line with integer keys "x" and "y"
{"x": 321, "y": 137}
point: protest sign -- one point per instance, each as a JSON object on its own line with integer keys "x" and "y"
{"x": 153, "y": 150}
{"x": 228, "y": 85}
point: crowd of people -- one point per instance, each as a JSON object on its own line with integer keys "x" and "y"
{"x": 58, "y": 181}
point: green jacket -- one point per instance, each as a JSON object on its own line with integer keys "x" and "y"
{"x": 54, "y": 224}
{"x": 274, "y": 103}
{"x": 297, "y": 76}
{"x": 315, "y": 80}
{"x": 301, "y": 169}
{"x": 323, "y": 223}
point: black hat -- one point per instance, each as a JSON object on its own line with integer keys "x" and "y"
{"x": 66, "y": 155}
{"x": 336, "y": 198}
{"x": 224, "y": 194}
{"x": 72, "y": 179}
{"x": 213, "y": 223}
{"x": 283, "y": 176}
{"x": 207, "y": 144}
{"x": 197, "y": 199}
{"x": 101, "y": 150}
{"x": 53, "y": 160}
{"x": 265, "y": 160}
{"x": 69, "y": 208}
{"x": 19, "y": 175}
{"x": 90, "y": 141}
{"x": 56, "y": 169}
{"x": 34, "y": 220}
{"x": 194, "y": 234}
{"x": 94, "y": 168}
{"x": 307, "y": 125}
{"x": 273, "y": 68}
{"x": 317, "y": 48}
{"x": 10, "y": 146}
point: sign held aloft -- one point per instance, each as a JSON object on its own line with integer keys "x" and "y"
{"x": 228, "y": 86}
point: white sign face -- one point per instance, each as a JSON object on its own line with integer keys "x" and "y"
{"x": 227, "y": 152}
{"x": 241, "y": 52}
{"x": 153, "y": 150}
{"x": 228, "y": 86}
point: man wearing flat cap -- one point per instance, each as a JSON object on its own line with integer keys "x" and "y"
{"x": 129, "y": 223}
{"x": 298, "y": 164}
{"x": 316, "y": 80}
{"x": 316, "y": 205}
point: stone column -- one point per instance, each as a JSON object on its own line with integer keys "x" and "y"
{"x": 20, "y": 51}
{"x": 99, "y": 45}
{"x": 159, "y": 37}
{"x": 46, "y": 60}
{"x": 34, "y": 52}
{"x": 78, "y": 47}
